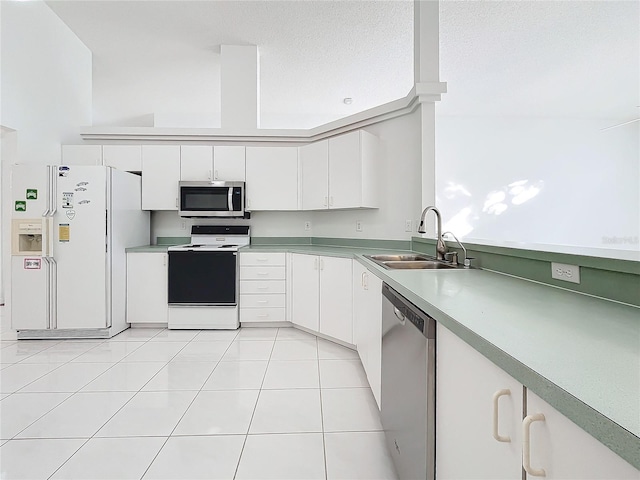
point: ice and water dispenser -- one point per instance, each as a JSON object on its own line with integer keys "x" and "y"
{"x": 26, "y": 238}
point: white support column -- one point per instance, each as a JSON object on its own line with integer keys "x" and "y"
{"x": 428, "y": 90}
{"x": 240, "y": 86}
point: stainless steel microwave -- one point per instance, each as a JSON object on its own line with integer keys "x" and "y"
{"x": 211, "y": 199}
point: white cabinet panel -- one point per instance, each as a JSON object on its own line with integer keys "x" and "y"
{"x": 272, "y": 178}
{"x": 353, "y": 170}
{"x": 196, "y": 162}
{"x": 123, "y": 157}
{"x": 250, "y": 272}
{"x": 147, "y": 288}
{"x": 160, "y": 176}
{"x": 229, "y": 163}
{"x": 465, "y": 384}
{"x": 262, "y": 286}
{"x": 336, "y": 298}
{"x": 264, "y": 258}
{"x": 262, "y": 315}
{"x": 305, "y": 291}
{"x": 314, "y": 166}
{"x": 81, "y": 154}
{"x": 367, "y": 324}
{"x": 565, "y": 451}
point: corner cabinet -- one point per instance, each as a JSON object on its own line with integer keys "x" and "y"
{"x": 147, "y": 288}
{"x": 367, "y": 324}
{"x": 341, "y": 172}
{"x": 272, "y": 178}
{"x": 480, "y": 416}
{"x": 322, "y": 296}
{"x": 160, "y": 174}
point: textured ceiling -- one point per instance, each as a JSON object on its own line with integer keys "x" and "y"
{"x": 545, "y": 58}
{"x": 163, "y": 56}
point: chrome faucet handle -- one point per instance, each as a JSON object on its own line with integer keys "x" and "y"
{"x": 467, "y": 261}
{"x": 454, "y": 257}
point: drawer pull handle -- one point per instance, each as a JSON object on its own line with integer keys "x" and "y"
{"x": 263, "y": 288}
{"x": 262, "y": 301}
{"x": 263, "y": 315}
{"x": 262, "y": 259}
{"x": 263, "y": 274}
{"x": 496, "y": 397}
{"x": 526, "y": 445}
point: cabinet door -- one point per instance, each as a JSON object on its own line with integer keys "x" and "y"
{"x": 314, "y": 166}
{"x": 146, "y": 288}
{"x": 272, "y": 178}
{"x": 373, "y": 286}
{"x": 196, "y": 162}
{"x": 466, "y": 383}
{"x": 160, "y": 176}
{"x": 229, "y": 163}
{"x": 567, "y": 452}
{"x": 305, "y": 291}
{"x": 360, "y": 298}
{"x": 336, "y": 298}
{"x": 123, "y": 157}
{"x": 81, "y": 154}
{"x": 345, "y": 172}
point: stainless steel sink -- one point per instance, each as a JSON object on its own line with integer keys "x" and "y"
{"x": 411, "y": 262}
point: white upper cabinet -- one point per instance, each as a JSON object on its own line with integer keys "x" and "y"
{"x": 123, "y": 157}
{"x": 353, "y": 170}
{"x": 160, "y": 175}
{"x": 272, "y": 178}
{"x": 82, "y": 154}
{"x": 229, "y": 163}
{"x": 341, "y": 172}
{"x": 196, "y": 162}
{"x": 204, "y": 162}
{"x": 314, "y": 166}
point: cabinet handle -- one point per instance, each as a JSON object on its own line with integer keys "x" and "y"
{"x": 262, "y": 259}
{"x": 215, "y": 174}
{"x": 315, "y": 264}
{"x": 263, "y": 315}
{"x": 263, "y": 288}
{"x": 331, "y": 201}
{"x": 177, "y": 202}
{"x": 262, "y": 301}
{"x": 496, "y": 397}
{"x": 262, "y": 274}
{"x": 209, "y": 175}
{"x": 362, "y": 280}
{"x": 526, "y": 447}
{"x": 321, "y": 264}
{"x": 326, "y": 202}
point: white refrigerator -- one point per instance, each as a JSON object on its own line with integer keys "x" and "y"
{"x": 70, "y": 228}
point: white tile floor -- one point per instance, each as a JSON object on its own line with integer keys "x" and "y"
{"x": 260, "y": 403}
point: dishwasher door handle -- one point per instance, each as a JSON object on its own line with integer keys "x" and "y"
{"x": 399, "y": 315}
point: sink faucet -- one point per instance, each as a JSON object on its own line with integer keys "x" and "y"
{"x": 467, "y": 260}
{"x": 441, "y": 247}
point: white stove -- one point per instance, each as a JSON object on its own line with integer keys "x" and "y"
{"x": 203, "y": 278}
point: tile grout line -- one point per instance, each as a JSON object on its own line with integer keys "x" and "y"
{"x": 246, "y": 437}
{"x": 190, "y": 403}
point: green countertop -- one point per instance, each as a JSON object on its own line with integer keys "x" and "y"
{"x": 579, "y": 353}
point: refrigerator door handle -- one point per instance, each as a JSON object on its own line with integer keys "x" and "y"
{"x": 47, "y": 299}
{"x": 53, "y": 292}
{"x": 53, "y": 191}
{"x": 48, "y": 209}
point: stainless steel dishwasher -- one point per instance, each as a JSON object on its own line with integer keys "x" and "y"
{"x": 408, "y": 386}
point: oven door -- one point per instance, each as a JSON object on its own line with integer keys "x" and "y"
{"x": 203, "y": 278}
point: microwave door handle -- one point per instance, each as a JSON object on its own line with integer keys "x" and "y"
{"x": 230, "y": 199}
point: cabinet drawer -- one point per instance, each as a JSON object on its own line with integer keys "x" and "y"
{"x": 262, "y": 315}
{"x": 259, "y": 286}
{"x": 267, "y": 258}
{"x": 262, "y": 273}
{"x": 262, "y": 301}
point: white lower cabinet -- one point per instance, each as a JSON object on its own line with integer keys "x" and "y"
{"x": 479, "y": 426}
{"x": 322, "y": 295}
{"x": 147, "y": 287}
{"x": 262, "y": 287}
{"x": 367, "y": 324}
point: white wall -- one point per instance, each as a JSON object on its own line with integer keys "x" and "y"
{"x": 45, "y": 83}
{"x": 522, "y": 151}
{"x": 399, "y": 198}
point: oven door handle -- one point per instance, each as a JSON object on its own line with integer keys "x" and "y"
{"x": 230, "y": 199}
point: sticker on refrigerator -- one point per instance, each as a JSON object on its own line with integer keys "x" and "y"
{"x": 32, "y": 263}
{"x": 81, "y": 189}
{"x": 32, "y": 194}
{"x": 71, "y": 214}
{"x": 67, "y": 199}
{"x": 21, "y": 206}
{"x": 63, "y": 232}
{"x": 84, "y": 202}
{"x": 82, "y": 184}
{"x": 63, "y": 171}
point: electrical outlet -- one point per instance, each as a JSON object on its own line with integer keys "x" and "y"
{"x": 568, "y": 273}
{"x": 408, "y": 226}
{"x": 307, "y": 226}
{"x": 358, "y": 225}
